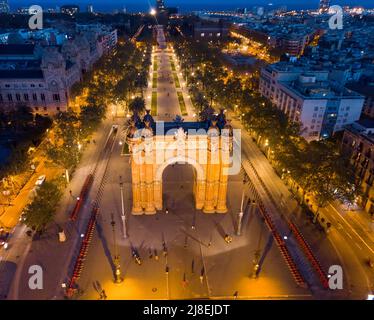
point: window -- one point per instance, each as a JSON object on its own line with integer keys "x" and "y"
{"x": 26, "y": 97}
{"x": 34, "y": 97}
{"x": 45, "y": 108}
{"x": 1, "y": 97}
{"x": 18, "y": 97}
{"x": 315, "y": 108}
{"x": 32, "y": 85}
{"x": 36, "y": 108}
{"x": 314, "y": 115}
{"x": 56, "y": 97}
{"x": 7, "y": 86}
{"x": 202, "y": 34}
{"x": 42, "y": 96}
{"x": 58, "y": 108}
{"x": 10, "y": 98}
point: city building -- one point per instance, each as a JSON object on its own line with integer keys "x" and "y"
{"x": 4, "y": 6}
{"x": 107, "y": 37}
{"x": 160, "y": 6}
{"x": 70, "y": 9}
{"x": 285, "y": 35}
{"x": 324, "y": 5}
{"x": 307, "y": 96}
{"x": 365, "y": 87}
{"x": 90, "y": 8}
{"x": 23, "y": 10}
{"x": 35, "y": 77}
{"x": 210, "y": 31}
{"x": 358, "y": 145}
{"x": 46, "y": 36}
{"x": 40, "y": 75}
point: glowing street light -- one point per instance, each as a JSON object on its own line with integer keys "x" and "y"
{"x": 153, "y": 12}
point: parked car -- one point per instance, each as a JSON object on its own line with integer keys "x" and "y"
{"x": 40, "y": 180}
{"x": 4, "y": 237}
{"x": 228, "y": 239}
{"x": 22, "y": 217}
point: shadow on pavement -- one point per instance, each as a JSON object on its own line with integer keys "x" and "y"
{"x": 7, "y": 272}
{"x": 265, "y": 252}
{"x": 105, "y": 246}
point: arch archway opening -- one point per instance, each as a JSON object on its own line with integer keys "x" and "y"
{"x": 179, "y": 187}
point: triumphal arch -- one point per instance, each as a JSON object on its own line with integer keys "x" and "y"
{"x": 207, "y": 146}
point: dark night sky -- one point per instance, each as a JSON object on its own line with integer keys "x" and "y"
{"x": 185, "y": 5}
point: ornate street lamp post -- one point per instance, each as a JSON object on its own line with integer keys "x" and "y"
{"x": 241, "y": 213}
{"x": 123, "y": 215}
{"x": 117, "y": 272}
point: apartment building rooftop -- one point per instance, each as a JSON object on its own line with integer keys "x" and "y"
{"x": 364, "y": 128}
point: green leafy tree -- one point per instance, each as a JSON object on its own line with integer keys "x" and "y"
{"x": 90, "y": 117}
{"x": 40, "y": 212}
{"x": 64, "y": 150}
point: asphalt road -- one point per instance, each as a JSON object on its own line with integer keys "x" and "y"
{"x": 346, "y": 245}
{"x": 54, "y": 257}
{"x": 194, "y": 240}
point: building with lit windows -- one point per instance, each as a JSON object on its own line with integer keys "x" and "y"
{"x": 307, "y": 96}
{"x": 41, "y": 76}
{"x": 358, "y": 145}
{"x": 4, "y": 6}
{"x": 210, "y": 31}
{"x": 324, "y": 5}
{"x": 70, "y": 9}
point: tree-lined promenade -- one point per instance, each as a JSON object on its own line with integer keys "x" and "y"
{"x": 117, "y": 79}
{"x": 318, "y": 167}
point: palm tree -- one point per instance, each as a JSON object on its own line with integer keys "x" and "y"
{"x": 137, "y": 105}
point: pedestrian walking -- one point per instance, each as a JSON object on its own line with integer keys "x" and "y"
{"x": 210, "y": 240}
{"x": 193, "y": 266}
{"x": 71, "y": 192}
{"x": 156, "y": 255}
{"x": 184, "y": 282}
{"x": 202, "y": 275}
{"x": 236, "y": 294}
{"x": 104, "y": 294}
{"x": 165, "y": 251}
{"x": 150, "y": 253}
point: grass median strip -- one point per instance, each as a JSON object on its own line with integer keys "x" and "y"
{"x": 155, "y": 65}
{"x": 154, "y": 104}
{"x": 173, "y": 66}
{"x": 182, "y": 104}
{"x": 154, "y": 80}
{"x": 125, "y": 149}
{"x": 176, "y": 80}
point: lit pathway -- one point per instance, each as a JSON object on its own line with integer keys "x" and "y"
{"x": 168, "y": 87}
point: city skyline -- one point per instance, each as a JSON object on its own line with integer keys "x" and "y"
{"x": 186, "y": 5}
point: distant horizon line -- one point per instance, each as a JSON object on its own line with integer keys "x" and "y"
{"x": 111, "y": 8}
